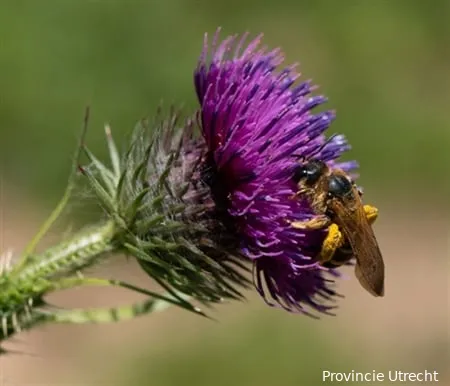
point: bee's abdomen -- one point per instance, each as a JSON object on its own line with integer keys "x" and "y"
{"x": 342, "y": 256}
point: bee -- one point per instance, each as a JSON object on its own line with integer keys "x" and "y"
{"x": 336, "y": 200}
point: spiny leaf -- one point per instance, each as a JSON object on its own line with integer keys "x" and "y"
{"x": 145, "y": 226}
{"x": 198, "y": 252}
{"x": 176, "y": 294}
{"x": 140, "y": 170}
{"x": 101, "y": 193}
{"x": 139, "y": 253}
{"x": 113, "y": 153}
{"x": 119, "y": 187}
{"x": 162, "y": 178}
{"x": 106, "y": 175}
{"x": 133, "y": 209}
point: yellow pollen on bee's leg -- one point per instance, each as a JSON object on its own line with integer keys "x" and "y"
{"x": 332, "y": 242}
{"x": 371, "y": 213}
{"x": 335, "y": 239}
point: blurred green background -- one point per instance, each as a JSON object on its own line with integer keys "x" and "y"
{"x": 385, "y": 66}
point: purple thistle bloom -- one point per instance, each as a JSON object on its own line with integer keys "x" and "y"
{"x": 255, "y": 120}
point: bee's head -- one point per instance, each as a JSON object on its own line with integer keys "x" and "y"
{"x": 309, "y": 172}
{"x": 339, "y": 185}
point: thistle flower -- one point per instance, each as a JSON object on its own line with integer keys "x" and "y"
{"x": 255, "y": 120}
{"x": 193, "y": 210}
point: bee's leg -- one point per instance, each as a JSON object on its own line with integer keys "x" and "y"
{"x": 317, "y": 222}
{"x": 371, "y": 213}
{"x": 300, "y": 192}
{"x": 333, "y": 241}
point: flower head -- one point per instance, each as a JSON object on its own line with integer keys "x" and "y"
{"x": 191, "y": 209}
{"x": 164, "y": 217}
{"x": 256, "y": 120}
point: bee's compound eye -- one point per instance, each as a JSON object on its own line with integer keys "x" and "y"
{"x": 339, "y": 185}
{"x": 310, "y": 172}
{"x": 299, "y": 173}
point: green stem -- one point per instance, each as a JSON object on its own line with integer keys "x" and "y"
{"x": 62, "y": 203}
{"x": 70, "y": 256}
{"x": 112, "y": 314}
{"x": 22, "y": 290}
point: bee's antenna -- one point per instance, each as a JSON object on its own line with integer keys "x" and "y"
{"x": 328, "y": 141}
{"x": 302, "y": 158}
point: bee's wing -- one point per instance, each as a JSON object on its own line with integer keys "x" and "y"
{"x": 351, "y": 218}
